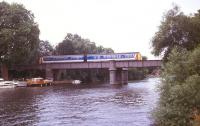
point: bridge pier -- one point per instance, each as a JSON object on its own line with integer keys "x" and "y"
{"x": 124, "y": 76}
{"x": 118, "y": 76}
{"x": 113, "y": 79}
{"x": 113, "y": 73}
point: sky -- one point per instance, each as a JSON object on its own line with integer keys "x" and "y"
{"x": 123, "y": 25}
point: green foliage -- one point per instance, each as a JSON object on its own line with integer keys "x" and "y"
{"x": 178, "y": 38}
{"x": 45, "y": 48}
{"x": 74, "y": 44}
{"x": 176, "y": 29}
{"x": 179, "y": 89}
{"x": 19, "y": 34}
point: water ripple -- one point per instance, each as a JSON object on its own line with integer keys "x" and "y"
{"x": 86, "y": 105}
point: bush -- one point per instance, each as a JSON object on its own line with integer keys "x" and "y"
{"x": 179, "y": 102}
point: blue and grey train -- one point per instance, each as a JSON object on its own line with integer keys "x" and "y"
{"x": 91, "y": 57}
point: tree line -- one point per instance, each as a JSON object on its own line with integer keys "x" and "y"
{"x": 20, "y": 43}
{"x": 178, "y": 41}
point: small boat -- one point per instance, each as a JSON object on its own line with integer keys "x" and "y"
{"x": 39, "y": 82}
{"x": 76, "y": 82}
{"x": 21, "y": 83}
{"x": 7, "y": 84}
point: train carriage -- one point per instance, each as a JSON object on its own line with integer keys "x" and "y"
{"x": 115, "y": 56}
{"x": 91, "y": 57}
{"x": 62, "y": 58}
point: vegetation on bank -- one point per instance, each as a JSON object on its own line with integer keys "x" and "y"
{"x": 176, "y": 29}
{"x": 19, "y": 34}
{"x": 178, "y": 39}
{"x": 179, "y": 92}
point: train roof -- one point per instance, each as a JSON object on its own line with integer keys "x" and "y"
{"x": 92, "y": 54}
{"x": 114, "y": 53}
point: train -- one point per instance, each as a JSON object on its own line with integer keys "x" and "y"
{"x": 91, "y": 57}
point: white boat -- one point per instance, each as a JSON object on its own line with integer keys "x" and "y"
{"x": 21, "y": 83}
{"x": 7, "y": 84}
{"x": 76, "y": 82}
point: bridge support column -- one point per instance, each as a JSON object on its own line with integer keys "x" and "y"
{"x": 124, "y": 76}
{"x": 113, "y": 79}
{"x": 49, "y": 73}
{"x": 113, "y": 73}
{"x": 118, "y": 76}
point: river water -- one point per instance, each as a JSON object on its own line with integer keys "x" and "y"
{"x": 80, "y": 105}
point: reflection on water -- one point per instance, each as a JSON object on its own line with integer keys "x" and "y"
{"x": 79, "y": 105}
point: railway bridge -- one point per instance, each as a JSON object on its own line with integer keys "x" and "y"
{"x": 118, "y": 70}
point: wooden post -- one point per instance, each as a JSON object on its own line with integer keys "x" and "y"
{"x": 4, "y": 71}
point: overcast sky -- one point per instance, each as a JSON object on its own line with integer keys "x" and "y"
{"x": 123, "y": 25}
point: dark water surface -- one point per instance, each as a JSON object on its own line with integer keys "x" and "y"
{"x": 79, "y": 105}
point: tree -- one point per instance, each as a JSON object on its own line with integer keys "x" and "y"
{"x": 45, "y": 48}
{"x": 74, "y": 44}
{"x": 144, "y": 58}
{"x": 176, "y": 29}
{"x": 19, "y": 34}
{"x": 179, "y": 90}
{"x": 178, "y": 39}
{"x": 65, "y": 48}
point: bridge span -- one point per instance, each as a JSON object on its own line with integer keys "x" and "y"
{"x": 118, "y": 70}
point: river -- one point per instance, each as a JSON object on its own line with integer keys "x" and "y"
{"x": 80, "y": 105}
